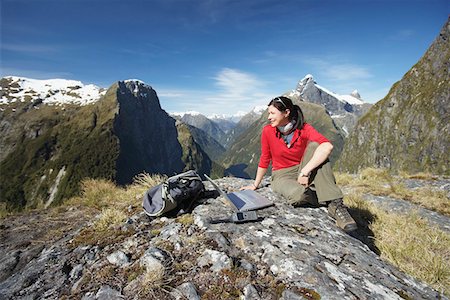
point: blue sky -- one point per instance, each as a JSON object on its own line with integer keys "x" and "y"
{"x": 220, "y": 56}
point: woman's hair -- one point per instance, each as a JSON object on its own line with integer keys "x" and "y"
{"x": 282, "y": 103}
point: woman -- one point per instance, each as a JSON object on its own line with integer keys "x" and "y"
{"x": 300, "y": 165}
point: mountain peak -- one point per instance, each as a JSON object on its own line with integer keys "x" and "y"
{"x": 308, "y": 79}
{"x": 136, "y": 87}
{"x": 355, "y": 94}
{"x": 136, "y": 81}
{"x": 308, "y": 83}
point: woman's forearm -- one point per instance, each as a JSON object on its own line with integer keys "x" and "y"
{"x": 259, "y": 176}
{"x": 321, "y": 154}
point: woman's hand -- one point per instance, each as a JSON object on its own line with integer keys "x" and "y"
{"x": 303, "y": 180}
{"x": 248, "y": 187}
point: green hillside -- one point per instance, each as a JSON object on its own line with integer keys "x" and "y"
{"x": 409, "y": 129}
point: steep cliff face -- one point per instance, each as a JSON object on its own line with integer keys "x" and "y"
{"x": 48, "y": 148}
{"x": 147, "y": 135}
{"x": 410, "y": 128}
{"x": 242, "y": 157}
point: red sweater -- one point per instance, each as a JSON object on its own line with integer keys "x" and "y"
{"x": 274, "y": 148}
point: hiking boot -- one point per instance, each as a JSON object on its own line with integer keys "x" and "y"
{"x": 338, "y": 211}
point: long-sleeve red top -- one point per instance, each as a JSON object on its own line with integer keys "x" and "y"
{"x": 273, "y": 147}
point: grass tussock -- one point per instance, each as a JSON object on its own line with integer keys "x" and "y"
{"x": 157, "y": 282}
{"x": 185, "y": 219}
{"x": 109, "y": 217}
{"x": 380, "y": 182}
{"x": 410, "y": 243}
{"x": 116, "y": 205}
{"x": 101, "y": 193}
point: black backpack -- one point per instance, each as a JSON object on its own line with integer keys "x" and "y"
{"x": 179, "y": 191}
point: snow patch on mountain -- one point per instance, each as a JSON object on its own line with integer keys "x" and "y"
{"x": 344, "y": 98}
{"x": 354, "y": 98}
{"x": 50, "y": 91}
{"x": 135, "y": 81}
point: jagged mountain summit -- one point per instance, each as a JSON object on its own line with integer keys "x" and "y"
{"x": 344, "y": 109}
{"x": 51, "y": 91}
{"x": 47, "y": 150}
{"x": 409, "y": 129}
{"x": 307, "y": 89}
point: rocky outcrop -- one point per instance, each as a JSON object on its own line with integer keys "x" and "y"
{"x": 290, "y": 253}
{"x": 410, "y": 128}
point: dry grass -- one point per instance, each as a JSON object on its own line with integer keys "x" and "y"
{"x": 147, "y": 181}
{"x": 100, "y": 193}
{"x": 380, "y": 182}
{"x": 420, "y": 175}
{"x": 185, "y": 219}
{"x": 410, "y": 243}
{"x": 157, "y": 282}
{"x": 115, "y": 203}
{"x": 108, "y": 218}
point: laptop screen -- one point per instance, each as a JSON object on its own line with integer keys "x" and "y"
{"x": 238, "y": 202}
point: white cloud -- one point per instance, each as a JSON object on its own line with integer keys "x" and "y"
{"x": 236, "y": 91}
{"x": 237, "y": 83}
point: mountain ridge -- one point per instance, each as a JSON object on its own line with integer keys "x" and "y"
{"x": 409, "y": 129}
{"x": 47, "y": 150}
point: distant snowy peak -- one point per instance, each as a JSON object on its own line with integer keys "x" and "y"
{"x": 182, "y": 114}
{"x": 259, "y": 109}
{"x": 232, "y": 118}
{"x": 354, "y": 98}
{"x": 50, "y": 91}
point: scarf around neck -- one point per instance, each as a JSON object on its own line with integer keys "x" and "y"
{"x": 288, "y": 128}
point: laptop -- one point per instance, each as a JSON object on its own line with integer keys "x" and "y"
{"x": 243, "y": 200}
